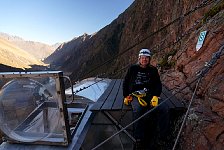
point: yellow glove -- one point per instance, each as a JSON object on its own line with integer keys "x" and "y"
{"x": 127, "y": 100}
{"x": 154, "y": 101}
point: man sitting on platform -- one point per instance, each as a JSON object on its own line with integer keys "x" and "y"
{"x": 143, "y": 82}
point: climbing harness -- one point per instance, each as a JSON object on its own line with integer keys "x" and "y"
{"x": 203, "y": 71}
{"x": 203, "y": 4}
{"x": 139, "y": 95}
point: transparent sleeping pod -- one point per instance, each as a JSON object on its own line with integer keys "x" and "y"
{"x": 32, "y": 108}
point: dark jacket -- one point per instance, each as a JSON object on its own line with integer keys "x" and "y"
{"x": 138, "y": 78}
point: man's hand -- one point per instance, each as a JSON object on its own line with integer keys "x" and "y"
{"x": 154, "y": 101}
{"x": 127, "y": 100}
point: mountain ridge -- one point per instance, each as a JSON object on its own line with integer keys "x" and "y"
{"x": 170, "y": 29}
{"x": 13, "y": 56}
{"x": 64, "y": 50}
{"x": 37, "y": 49}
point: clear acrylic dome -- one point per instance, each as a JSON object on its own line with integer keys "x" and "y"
{"x": 28, "y": 110}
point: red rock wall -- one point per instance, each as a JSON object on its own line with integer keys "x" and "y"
{"x": 205, "y": 125}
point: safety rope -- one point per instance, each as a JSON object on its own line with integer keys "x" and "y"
{"x": 171, "y": 44}
{"x": 186, "y": 114}
{"x": 203, "y": 4}
{"x": 179, "y": 38}
{"x": 136, "y": 120}
{"x": 215, "y": 57}
{"x": 200, "y": 75}
{"x": 109, "y": 74}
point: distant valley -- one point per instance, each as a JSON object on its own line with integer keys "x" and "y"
{"x": 37, "y": 49}
{"x": 20, "y": 54}
{"x": 13, "y": 56}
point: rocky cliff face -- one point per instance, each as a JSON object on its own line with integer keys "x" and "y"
{"x": 63, "y": 52}
{"x": 171, "y": 29}
{"x": 205, "y": 126}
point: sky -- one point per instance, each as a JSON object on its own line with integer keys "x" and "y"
{"x": 53, "y": 21}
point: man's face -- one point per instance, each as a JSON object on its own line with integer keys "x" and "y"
{"x": 144, "y": 60}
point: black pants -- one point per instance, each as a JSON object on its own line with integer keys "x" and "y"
{"x": 152, "y": 128}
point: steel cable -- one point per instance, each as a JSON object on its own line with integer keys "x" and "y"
{"x": 200, "y": 75}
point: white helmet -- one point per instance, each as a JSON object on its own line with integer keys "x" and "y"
{"x": 145, "y": 52}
